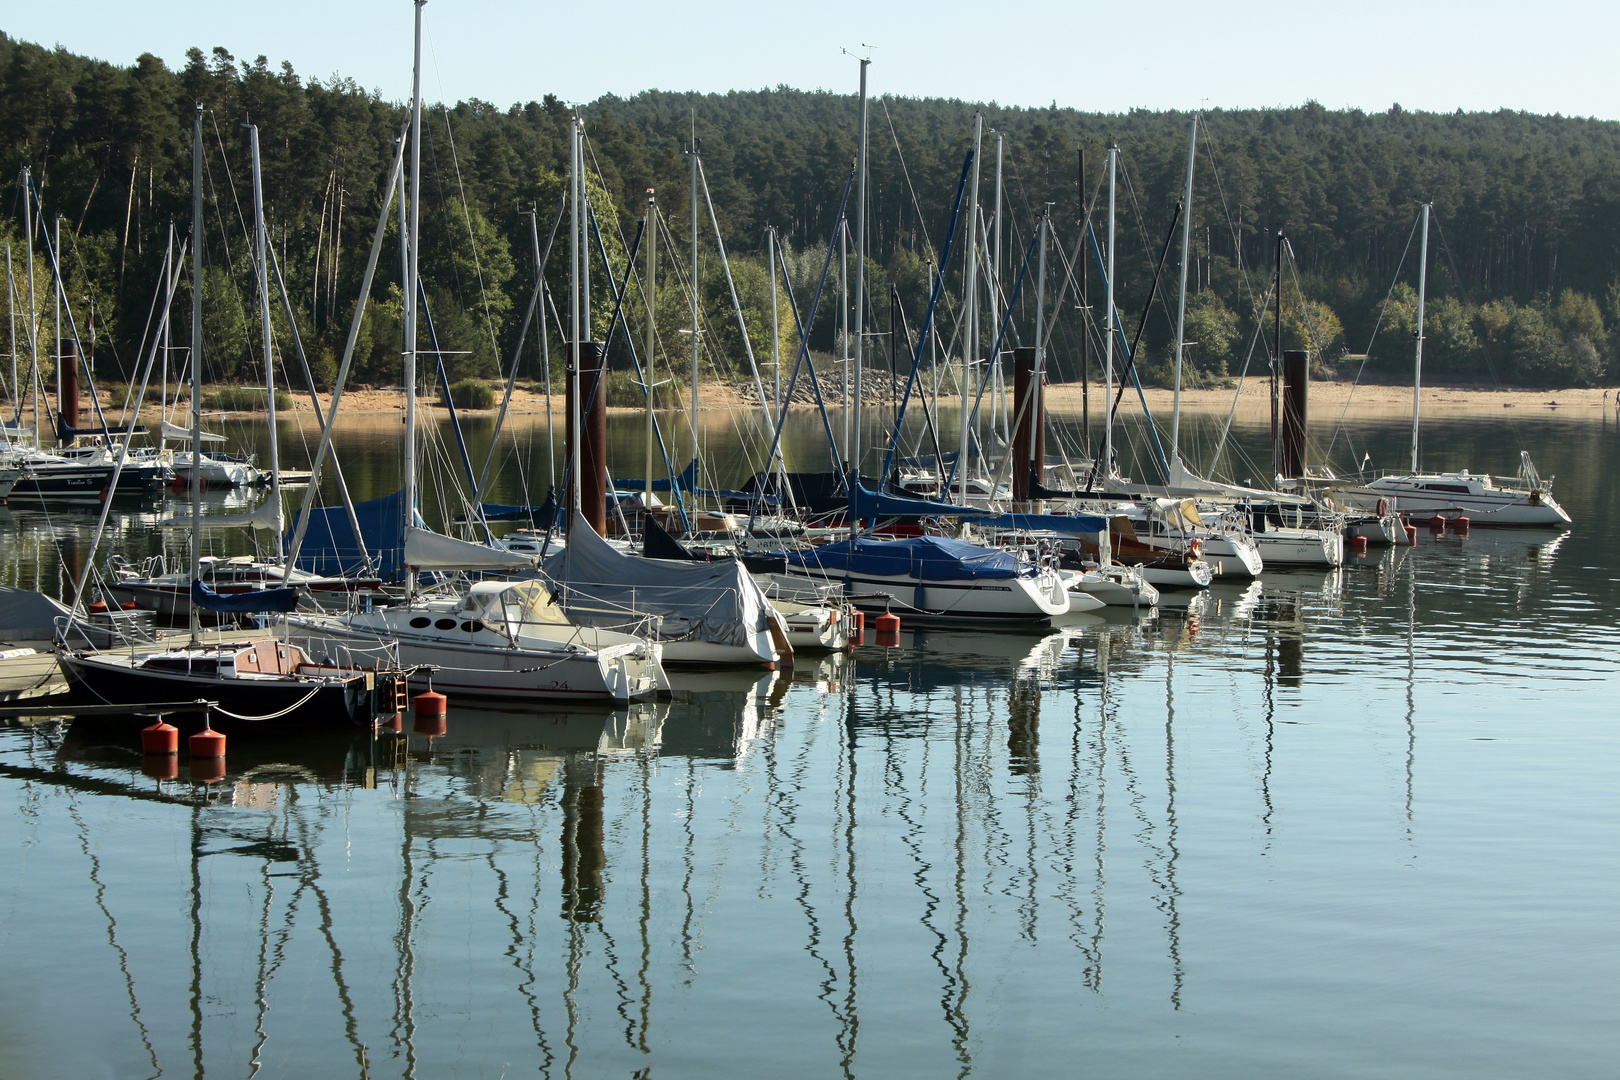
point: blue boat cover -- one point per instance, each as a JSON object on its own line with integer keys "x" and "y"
{"x": 538, "y": 517}
{"x": 243, "y": 603}
{"x": 331, "y": 550}
{"x": 925, "y": 558}
{"x": 869, "y": 505}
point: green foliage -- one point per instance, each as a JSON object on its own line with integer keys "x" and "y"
{"x": 472, "y": 394}
{"x": 244, "y": 399}
{"x": 1528, "y": 287}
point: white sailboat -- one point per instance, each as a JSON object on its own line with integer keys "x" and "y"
{"x": 1525, "y": 499}
{"x": 491, "y": 639}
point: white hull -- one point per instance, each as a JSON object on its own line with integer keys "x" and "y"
{"x": 1487, "y": 506}
{"x": 1192, "y": 575}
{"x": 613, "y": 675}
{"x": 1300, "y": 547}
{"x": 1020, "y": 599}
{"x": 1113, "y": 589}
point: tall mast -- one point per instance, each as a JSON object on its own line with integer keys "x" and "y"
{"x": 970, "y": 325}
{"x": 998, "y": 398}
{"x": 264, "y": 318}
{"x": 33, "y": 308}
{"x": 1085, "y": 321}
{"x": 196, "y": 355}
{"x": 650, "y": 290}
{"x": 860, "y": 276}
{"x": 11, "y": 324}
{"x": 1181, "y": 304}
{"x": 843, "y": 330}
{"x": 1038, "y": 383}
{"x": 575, "y": 324}
{"x": 1276, "y": 356}
{"x": 1108, "y": 332}
{"x": 412, "y": 267}
{"x": 776, "y": 330}
{"x": 56, "y": 317}
{"x": 168, "y": 305}
{"x": 1417, "y": 365}
{"x": 694, "y": 288}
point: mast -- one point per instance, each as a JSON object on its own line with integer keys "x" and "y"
{"x": 776, "y": 330}
{"x": 998, "y": 394}
{"x": 1037, "y": 390}
{"x": 196, "y": 355}
{"x": 1181, "y": 305}
{"x": 970, "y": 323}
{"x": 694, "y": 288}
{"x": 1108, "y": 333}
{"x": 412, "y": 267}
{"x": 1276, "y": 356}
{"x": 56, "y": 317}
{"x": 575, "y": 326}
{"x": 1417, "y": 364}
{"x": 650, "y": 290}
{"x": 168, "y": 305}
{"x": 264, "y": 318}
{"x": 843, "y": 321}
{"x": 33, "y": 308}
{"x": 1085, "y": 320}
{"x": 11, "y": 325}
{"x": 860, "y": 276}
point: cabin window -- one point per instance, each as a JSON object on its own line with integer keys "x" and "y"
{"x": 445, "y": 624}
{"x": 1454, "y": 489}
{"x": 473, "y": 626}
{"x": 421, "y": 622}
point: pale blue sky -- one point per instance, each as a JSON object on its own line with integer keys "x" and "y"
{"x": 1550, "y": 57}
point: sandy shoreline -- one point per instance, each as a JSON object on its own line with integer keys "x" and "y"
{"x": 1069, "y": 398}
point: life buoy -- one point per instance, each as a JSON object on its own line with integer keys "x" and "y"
{"x": 1383, "y": 508}
{"x": 1535, "y": 498}
{"x": 1196, "y": 551}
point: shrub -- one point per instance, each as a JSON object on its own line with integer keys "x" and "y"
{"x": 244, "y": 399}
{"x": 472, "y": 394}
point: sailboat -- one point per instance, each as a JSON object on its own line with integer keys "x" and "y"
{"x": 499, "y": 639}
{"x": 252, "y": 683}
{"x": 1526, "y": 499}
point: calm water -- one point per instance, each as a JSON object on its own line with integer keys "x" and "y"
{"x": 1360, "y": 824}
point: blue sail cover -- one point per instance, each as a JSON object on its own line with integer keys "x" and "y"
{"x": 245, "y": 602}
{"x": 869, "y": 505}
{"x": 924, "y": 558}
{"x": 331, "y": 550}
{"x": 543, "y": 516}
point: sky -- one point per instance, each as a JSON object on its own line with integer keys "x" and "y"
{"x": 1439, "y": 56}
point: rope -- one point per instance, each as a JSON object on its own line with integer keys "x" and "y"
{"x": 271, "y": 716}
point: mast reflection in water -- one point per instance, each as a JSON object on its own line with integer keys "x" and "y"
{"x": 1308, "y": 825}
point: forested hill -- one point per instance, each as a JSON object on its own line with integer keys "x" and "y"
{"x": 1524, "y": 277}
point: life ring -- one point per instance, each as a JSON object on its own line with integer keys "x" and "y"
{"x": 1383, "y": 508}
{"x": 1196, "y": 551}
{"x": 1535, "y": 497}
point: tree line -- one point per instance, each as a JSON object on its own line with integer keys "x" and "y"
{"x": 1524, "y": 269}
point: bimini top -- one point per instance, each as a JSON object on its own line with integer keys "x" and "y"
{"x": 924, "y": 558}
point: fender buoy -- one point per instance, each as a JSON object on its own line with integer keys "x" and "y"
{"x": 160, "y": 738}
{"x": 1437, "y": 524}
{"x": 1358, "y": 545}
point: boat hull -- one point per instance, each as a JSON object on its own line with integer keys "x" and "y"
{"x": 244, "y": 704}
{"x": 612, "y": 676}
{"x": 992, "y": 600}
{"x": 1494, "y": 506}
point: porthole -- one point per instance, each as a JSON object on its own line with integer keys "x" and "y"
{"x": 421, "y": 622}
{"x": 445, "y": 624}
{"x": 472, "y": 627}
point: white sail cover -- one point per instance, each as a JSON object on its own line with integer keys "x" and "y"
{"x": 266, "y": 516}
{"x": 426, "y": 550}
{"x": 718, "y": 601}
{"x": 176, "y": 433}
{"x": 26, "y": 615}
